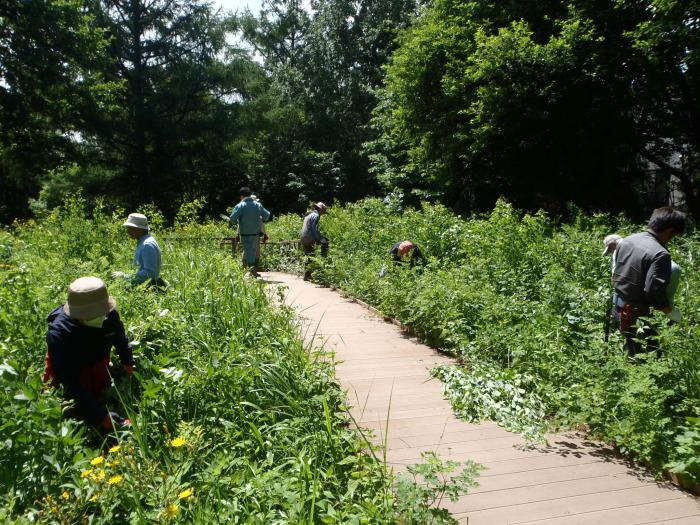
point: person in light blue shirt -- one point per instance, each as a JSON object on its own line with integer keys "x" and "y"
{"x": 248, "y": 214}
{"x": 147, "y": 257}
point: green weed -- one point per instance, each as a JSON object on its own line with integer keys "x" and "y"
{"x": 234, "y": 419}
{"x": 520, "y": 300}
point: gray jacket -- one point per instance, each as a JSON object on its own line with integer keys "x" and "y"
{"x": 642, "y": 270}
{"x": 310, "y": 232}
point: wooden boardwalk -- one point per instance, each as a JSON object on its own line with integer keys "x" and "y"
{"x": 571, "y": 481}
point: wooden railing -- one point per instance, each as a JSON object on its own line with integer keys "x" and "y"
{"x": 234, "y": 243}
{"x": 231, "y": 243}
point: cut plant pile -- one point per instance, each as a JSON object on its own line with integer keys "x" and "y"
{"x": 234, "y": 420}
{"x": 520, "y": 299}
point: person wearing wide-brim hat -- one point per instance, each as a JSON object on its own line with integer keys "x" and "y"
{"x": 262, "y": 235}
{"x": 147, "y": 256}
{"x": 610, "y": 244}
{"x": 249, "y": 214}
{"x": 311, "y": 235}
{"x": 80, "y": 338}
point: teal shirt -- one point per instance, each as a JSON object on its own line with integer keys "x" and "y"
{"x": 248, "y": 214}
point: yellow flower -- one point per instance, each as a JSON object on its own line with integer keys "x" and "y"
{"x": 114, "y": 480}
{"x": 114, "y": 449}
{"x": 178, "y": 442}
{"x": 54, "y": 509}
{"x": 94, "y": 498}
{"x": 172, "y": 510}
{"x": 65, "y": 495}
{"x": 185, "y": 493}
{"x": 85, "y": 473}
{"x": 97, "y": 461}
{"x": 98, "y": 475}
{"x": 113, "y": 463}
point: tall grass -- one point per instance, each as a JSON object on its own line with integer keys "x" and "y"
{"x": 234, "y": 420}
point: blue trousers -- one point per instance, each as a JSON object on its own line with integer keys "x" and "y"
{"x": 250, "y": 245}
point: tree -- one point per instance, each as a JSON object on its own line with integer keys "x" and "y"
{"x": 537, "y": 101}
{"x": 666, "y": 52}
{"x": 172, "y": 128}
{"x": 50, "y": 81}
{"x": 323, "y": 71}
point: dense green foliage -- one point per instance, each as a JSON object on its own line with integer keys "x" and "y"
{"x": 165, "y": 101}
{"x": 324, "y": 67}
{"x": 50, "y": 60}
{"x": 168, "y": 101}
{"x": 234, "y": 419}
{"x": 520, "y": 299}
{"x": 545, "y": 103}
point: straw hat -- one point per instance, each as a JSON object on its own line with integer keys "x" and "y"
{"x": 88, "y": 299}
{"x": 321, "y": 206}
{"x": 137, "y": 220}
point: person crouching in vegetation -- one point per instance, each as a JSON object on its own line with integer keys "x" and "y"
{"x": 80, "y": 338}
{"x": 611, "y": 242}
{"x": 249, "y": 214}
{"x": 147, "y": 257}
{"x": 642, "y": 279}
{"x": 311, "y": 235}
{"x": 406, "y": 251}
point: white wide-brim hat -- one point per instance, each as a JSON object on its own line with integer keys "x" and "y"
{"x": 88, "y": 299}
{"x": 611, "y": 240}
{"x": 321, "y": 206}
{"x": 137, "y": 220}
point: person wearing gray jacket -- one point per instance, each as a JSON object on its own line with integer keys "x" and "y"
{"x": 641, "y": 276}
{"x": 311, "y": 235}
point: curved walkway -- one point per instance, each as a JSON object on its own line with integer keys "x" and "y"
{"x": 571, "y": 481}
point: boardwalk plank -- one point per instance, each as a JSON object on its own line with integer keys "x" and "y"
{"x": 558, "y": 509}
{"x": 644, "y": 513}
{"x": 385, "y": 373}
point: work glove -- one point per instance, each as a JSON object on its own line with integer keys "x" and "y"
{"x": 118, "y": 275}
{"x": 129, "y": 369}
{"x": 265, "y": 237}
{"x": 114, "y": 421}
{"x": 111, "y": 421}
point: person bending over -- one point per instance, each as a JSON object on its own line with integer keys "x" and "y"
{"x": 311, "y": 235}
{"x": 406, "y": 251}
{"x": 80, "y": 338}
{"x": 642, "y": 279}
{"x": 147, "y": 255}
